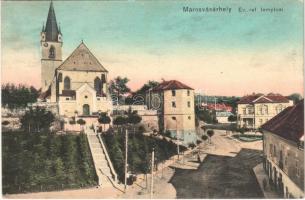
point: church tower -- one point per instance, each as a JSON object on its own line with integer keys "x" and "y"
{"x": 51, "y": 49}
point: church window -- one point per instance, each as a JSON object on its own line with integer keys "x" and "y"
{"x": 52, "y": 52}
{"x": 67, "y": 83}
{"x": 60, "y": 77}
{"x": 97, "y": 84}
{"x": 188, "y": 93}
{"x": 189, "y": 104}
{"x": 86, "y": 97}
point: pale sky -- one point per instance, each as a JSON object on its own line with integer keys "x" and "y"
{"x": 215, "y": 53}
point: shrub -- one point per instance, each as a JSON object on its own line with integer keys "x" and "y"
{"x": 204, "y": 137}
{"x": 192, "y": 145}
{"x": 5, "y": 123}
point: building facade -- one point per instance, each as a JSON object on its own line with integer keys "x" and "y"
{"x": 79, "y": 84}
{"x": 174, "y": 102}
{"x": 284, "y": 151}
{"x": 255, "y": 110}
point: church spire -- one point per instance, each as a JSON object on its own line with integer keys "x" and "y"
{"x": 51, "y": 28}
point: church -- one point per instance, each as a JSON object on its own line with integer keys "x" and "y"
{"x": 79, "y": 84}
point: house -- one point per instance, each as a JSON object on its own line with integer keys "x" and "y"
{"x": 254, "y": 110}
{"x": 79, "y": 84}
{"x": 222, "y": 116}
{"x": 283, "y": 146}
{"x": 174, "y": 102}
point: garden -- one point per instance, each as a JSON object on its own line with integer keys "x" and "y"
{"x": 34, "y": 162}
{"x": 248, "y": 137}
{"x": 139, "y": 152}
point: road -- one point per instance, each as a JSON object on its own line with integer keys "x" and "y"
{"x": 226, "y": 171}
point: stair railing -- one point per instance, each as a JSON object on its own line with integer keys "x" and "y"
{"x": 114, "y": 174}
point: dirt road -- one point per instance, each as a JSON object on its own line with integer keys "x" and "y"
{"x": 226, "y": 171}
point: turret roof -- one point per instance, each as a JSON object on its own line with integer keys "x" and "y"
{"x": 51, "y": 28}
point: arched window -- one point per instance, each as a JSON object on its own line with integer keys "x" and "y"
{"x": 97, "y": 85}
{"x": 86, "y": 109}
{"x": 52, "y": 52}
{"x": 67, "y": 83}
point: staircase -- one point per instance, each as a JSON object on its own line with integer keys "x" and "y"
{"x": 103, "y": 166}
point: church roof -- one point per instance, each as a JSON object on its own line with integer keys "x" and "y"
{"x": 51, "y": 28}
{"x": 81, "y": 59}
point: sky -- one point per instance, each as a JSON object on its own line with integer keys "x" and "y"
{"x": 216, "y": 53}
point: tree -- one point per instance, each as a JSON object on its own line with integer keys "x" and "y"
{"x": 37, "y": 119}
{"x": 232, "y": 118}
{"x": 120, "y": 120}
{"x": 204, "y": 137}
{"x": 18, "y": 96}
{"x": 133, "y": 117}
{"x": 295, "y": 97}
{"x": 205, "y": 115}
{"x": 104, "y": 119}
{"x": 150, "y": 84}
{"x": 81, "y": 122}
{"x": 210, "y": 133}
{"x": 118, "y": 87}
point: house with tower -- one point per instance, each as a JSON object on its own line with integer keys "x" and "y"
{"x": 78, "y": 84}
{"x": 175, "y": 104}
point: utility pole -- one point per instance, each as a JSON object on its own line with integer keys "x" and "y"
{"x": 152, "y": 173}
{"x": 178, "y": 147}
{"x": 126, "y": 153}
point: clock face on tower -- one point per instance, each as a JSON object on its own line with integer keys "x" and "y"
{"x": 45, "y": 44}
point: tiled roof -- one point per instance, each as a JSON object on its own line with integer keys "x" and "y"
{"x": 82, "y": 59}
{"x": 68, "y": 93}
{"x": 171, "y": 85}
{"x": 289, "y": 123}
{"x": 270, "y": 98}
